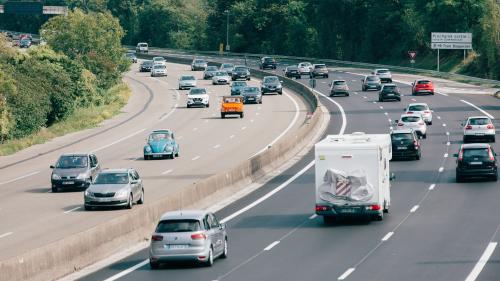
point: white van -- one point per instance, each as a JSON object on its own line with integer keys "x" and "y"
{"x": 142, "y": 48}
{"x": 352, "y": 176}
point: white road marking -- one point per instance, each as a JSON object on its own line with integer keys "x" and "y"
{"x": 259, "y": 108}
{"x": 127, "y": 271}
{"x": 355, "y": 93}
{"x": 20, "y": 178}
{"x": 6, "y": 234}
{"x": 271, "y": 245}
{"x": 444, "y": 125}
{"x": 243, "y": 128}
{"x": 251, "y": 120}
{"x": 448, "y": 143}
{"x": 216, "y": 146}
{"x": 117, "y": 141}
{"x": 313, "y": 216}
{"x": 413, "y": 99}
{"x": 443, "y": 94}
{"x": 365, "y": 97}
{"x": 441, "y": 169}
{"x": 390, "y": 120}
{"x": 414, "y": 209}
{"x": 478, "y": 108}
{"x": 387, "y": 236}
{"x": 482, "y": 262}
{"x": 431, "y": 187}
{"x": 374, "y": 102}
{"x": 447, "y": 133}
{"x": 385, "y": 113}
{"x": 196, "y": 158}
{"x": 381, "y": 107}
{"x": 257, "y": 113}
{"x": 167, "y": 172}
{"x": 346, "y": 273}
{"x": 74, "y": 209}
{"x": 446, "y": 155}
{"x": 231, "y": 136}
{"x": 438, "y": 117}
{"x": 195, "y": 129}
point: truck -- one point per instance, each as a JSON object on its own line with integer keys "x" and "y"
{"x": 352, "y": 176}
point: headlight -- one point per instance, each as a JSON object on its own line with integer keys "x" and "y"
{"x": 88, "y": 193}
{"x": 147, "y": 148}
{"x": 82, "y": 176}
{"x": 121, "y": 193}
{"x": 56, "y": 177}
{"x": 279, "y": 86}
{"x": 168, "y": 148}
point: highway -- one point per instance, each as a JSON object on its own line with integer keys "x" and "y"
{"x": 32, "y": 216}
{"x": 437, "y": 229}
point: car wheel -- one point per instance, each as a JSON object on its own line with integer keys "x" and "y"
{"x": 55, "y": 189}
{"x": 459, "y": 178}
{"x": 130, "y": 202}
{"x": 242, "y": 115}
{"x": 385, "y": 210}
{"x": 326, "y": 76}
{"x": 171, "y": 156}
{"x": 87, "y": 207}
{"x": 154, "y": 265}
{"x": 224, "y": 253}
{"x": 430, "y": 122}
{"x": 363, "y": 88}
{"x": 222, "y": 115}
{"x": 418, "y": 156}
{"x": 141, "y": 200}
{"x": 379, "y": 217}
{"x": 493, "y": 139}
{"x": 281, "y": 93}
{"x": 494, "y": 178}
{"x": 208, "y": 105}
{"x": 347, "y": 94}
{"x": 380, "y": 100}
{"x": 465, "y": 140}
{"x": 424, "y": 135}
{"x": 188, "y": 106}
{"x": 210, "y": 260}
{"x": 248, "y": 79}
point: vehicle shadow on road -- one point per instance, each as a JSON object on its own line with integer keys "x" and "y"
{"x": 41, "y": 189}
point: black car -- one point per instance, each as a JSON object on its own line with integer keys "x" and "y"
{"x": 389, "y": 92}
{"x": 268, "y": 63}
{"x": 292, "y": 72}
{"x": 146, "y": 66}
{"x": 209, "y": 72}
{"x": 251, "y": 95}
{"x": 271, "y": 84}
{"x": 240, "y": 72}
{"x": 476, "y": 160}
{"x": 405, "y": 144}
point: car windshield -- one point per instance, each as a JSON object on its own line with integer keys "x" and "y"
{"x": 270, "y": 79}
{"x": 25, "y": 40}
{"x": 479, "y": 121}
{"x": 475, "y": 154}
{"x": 197, "y": 91}
{"x": 72, "y": 162}
{"x": 250, "y": 90}
{"x": 148, "y": 62}
{"x": 160, "y": 136}
{"x": 111, "y": 178}
{"x": 339, "y": 83}
{"x": 402, "y": 136}
{"x": 419, "y": 107}
{"x": 160, "y": 66}
{"x": 158, "y": 59}
{"x": 184, "y": 78}
{"x": 227, "y": 65}
{"x": 232, "y": 100}
{"x": 199, "y": 61}
{"x": 240, "y": 68}
{"x": 410, "y": 119}
{"x": 320, "y": 66}
{"x": 372, "y": 78}
{"x": 239, "y": 84}
{"x": 268, "y": 59}
{"x": 143, "y": 45}
{"x": 389, "y": 88}
{"x": 212, "y": 68}
{"x": 221, "y": 73}
{"x": 421, "y": 82}
{"x": 382, "y": 71}
{"x": 167, "y": 226}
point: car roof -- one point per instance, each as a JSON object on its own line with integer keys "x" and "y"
{"x": 270, "y": 76}
{"x": 402, "y": 131}
{"x": 418, "y": 103}
{"x": 475, "y": 145}
{"x": 161, "y": 131}
{"x": 115, "y": 170}
{"x": 187, "y": 214}
{"x": 477, "y": 117}
{"x": 76, "y": 154}
{"x": 411, "y": 115}
{"x": 389, "y": 84}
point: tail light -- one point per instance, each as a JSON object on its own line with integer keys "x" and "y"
{"x": 461, "y": 154}
{"x": 409, "y": 112}
{"x": 468, "y": 127}
{"x": 322, "y": 208}
{"x": 490, "y": 154}
{"x": 198, "y": 236}
{"x": 421, "y": 123}
{"x": 427, "y": 112}
{"x": 490, "y": 126}
{"x": 415, "y": 143}
{"x": 400, "y": 124}
{"x": 157, "y": 238}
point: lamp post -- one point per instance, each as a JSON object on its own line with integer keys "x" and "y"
{"x": 227, "y": 30}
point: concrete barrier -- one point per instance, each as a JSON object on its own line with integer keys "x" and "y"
{"x": 74, "y": 252}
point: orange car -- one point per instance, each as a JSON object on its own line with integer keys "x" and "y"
{"x": 231, "y": 105}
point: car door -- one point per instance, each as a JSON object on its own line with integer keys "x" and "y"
{"x": 139, "y": 183}
{"x": 133, "y": 185}
{"x": 96, "y": 167}
{"x": 211, "y": 233}
{"x": 218, "y": 234}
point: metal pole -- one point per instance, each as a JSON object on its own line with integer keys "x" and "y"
{"x": 438, "y": 60}
{"x": 227, "y": 29}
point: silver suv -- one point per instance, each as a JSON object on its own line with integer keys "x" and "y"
{"x": 195, "y": 236}
{"x": 479, "y": 128}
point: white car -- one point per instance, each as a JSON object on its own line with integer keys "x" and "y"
{"x": 187, "y": 82}
{"x": 413, "y": 121}
{"x": 305, "y": 68}
{"x": 198, "y": 97}
{"x": 421, "y": 108}
{"x": 159, "y": 70}
{"x": 221, "y": 78}
{"x": 159, "y": 60}
{"x": 142, "y": 48}
{"x": 479, "y": 128}
{"x": 384, "y": 75}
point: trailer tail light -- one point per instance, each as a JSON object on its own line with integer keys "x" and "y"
{"x": 421, "y": 123}
{"x": 198, "y": 236}
{"x": 427, "y": 112}
{"x": 468, "y": 127}
{"x": 322, "y": 208}
{"x": 157, "y": 238}
{"x": 490, "y": 126}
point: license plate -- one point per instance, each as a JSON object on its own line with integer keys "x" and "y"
{"x": 390, "y": 94}
{"x": 176, "y": 247}
{"x": 402, "y": 147}
{"x": 68, "y": 182}
{"x": 251, "y": 98}
{"x": 349, "y": 210}
{"x": 157, "y": 155}
{"x": 476, "y": 163}
{"x": 479, "y": 134}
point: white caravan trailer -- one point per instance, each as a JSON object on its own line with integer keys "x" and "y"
{"x": 352, "y": 175}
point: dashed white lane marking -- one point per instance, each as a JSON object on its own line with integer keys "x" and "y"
{"x": 346, "y": 273}
{"x": 385, "y": 113}
{"x": 413, "y": 99}
{"x": 390, "y": 120}
{"x": 482, "y": 262}
{"x": 167, "y": 172}
{"x": 257, "y": 113}
{"x": 259, "y": 108}
{"x": 443, "y": 94}
{"x": 74, "y": 209}
{"x": 231, "y": 136}
{"x": 444, "y": 125}
{"x": 447, "y": 133}
{"x": 243, "y": 128}
{"x": 20, "y": 178}
{"x": 117, "y": 141}
{"x": 251, "y": 120}
{"x": 6, "y": 234}
{"x": 313, "y": 216}
{"x": 381, "y": 107}
{"x": 365, "y": 97}
{"x": 271, "y": 245}
{"x": 387, "y": 236}
{"x": 195, "y": 129}
{"x": 196, "y": 158}
{"x": 216, "y": 146}
{"x": 127, "y": 271}
{"x": 478, "y": 108}
{"x": 438, "y": 117}
{"x": 374, "y": 102}
{"x": 441, "y": 169}
{"x": 431, "y": 187}
{"x": 414, "y": 209}
{"x": 206, "y": 120}
{"x": 448, "y": 143}
{"x": 445, "y": 155}
{"x": 355, "y": 93}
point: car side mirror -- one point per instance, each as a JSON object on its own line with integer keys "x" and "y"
{"x": 222, "y": 226}
{"x": 420, "y": 137}
{"x": 412, "y": 83}
{"x": 396, "y": 121}
{"x": 52, "y": 167}
{"x": 392, "y": 177}
{"x": 455, "y": 155}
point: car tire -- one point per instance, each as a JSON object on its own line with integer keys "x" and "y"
{"x": 224, "y": 252}
{"x": 55, "y": 189}
{"x": 380, "y": 100}
{"x": 379, "y": 217}
{"x": 248, "y": 79}
{"x": 459, "y": 178}
{"x": 430, "y": 123}
{"x": 363, "y": 88}
{"x": 281, "y": 93}
{"x": 210, "y": 260}
{"x": 154, "y": 265}
{"x": 347, "y": 94}
{"x": 208, "y": 105}
{"x": 242, "y": 115}
{"x": 494, "y": 178}
{"x": 87, "y": 208}
{"x": 188, "y": 106}
{"x": 424, "y": 136}
{"x": 493, "y": 139}
{"x": 465, "y": 140}
{"x": 130, "y": 202}
{"x": 385, "y": 209}
{"x": 222, "y": 115}
{"x": 326, "y": 76}
{"x": 141, "y": 200}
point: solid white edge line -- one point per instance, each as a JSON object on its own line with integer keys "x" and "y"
{"x": 127, "y": 271}
{"x": 271, "y": 245}
{"x": 441, "y": 169}
{"x": 167, "y": 172}
{"x": 445, "y": 155}
{"x": 346, "y": 273}
{"x": 414, "y": 209}
{"x": 387, "y": 236}
{"x": 478, "y": 108}
{"x": 6, "y": 234}
{"x": 20, "y": 178}
{"x": 431, "y": 187}
{"x": 313, "y": 216}
{"x": 74, "y": 209}
{"x": 342, "y": 112}
{"x": 196, "y": 158}
{"x": 482, "y": 262}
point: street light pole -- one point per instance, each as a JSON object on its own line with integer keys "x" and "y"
{"x": 227, "y": 30}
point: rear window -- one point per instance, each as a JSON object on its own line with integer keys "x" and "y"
{"x": 409, "y": 119}
{"x": 269, "y": 60}
{"x": 188, "y": 78}
{"x": 212, "y": 68}
{"x": 143, "y": 45}
{"x": 168, "y": 226}
{"x": 197, "y": 91}
{"x": 479, "y": 121}
{"x": 320, "y": 66}
{"x": 199, "y": 61}
{"x": 382, "y": 71}
{"x": 372, "y": 78}
{"x": 240, "y": 68}
{"x": 402, "y": 136}
{"x": 423, "y": 82}
{"x": 160, "y": 66}
{"x": 339, "y": 83}
{"x": 389, "y": 88}
{"x": 475, "y": 154}
{"x": 419, "y": 107}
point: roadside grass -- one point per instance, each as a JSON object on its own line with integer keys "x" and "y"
{"x": 82, "y": 118}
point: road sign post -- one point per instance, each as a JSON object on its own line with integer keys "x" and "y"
{"x": 450, "y": 41}
{"x": 412, "y": 55}
{"x": 312, "y": 83}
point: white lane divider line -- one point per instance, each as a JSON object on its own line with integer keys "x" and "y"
{"x": 387, "y": 236}
{"x": 257, "y": 113}
{"x": 196, "y": 158}
{"x": 20, "y": 178}
{"x": 431, "y": 187}
{"x": 443, "y": 94}
{"x": 346, "y": 273}
{"x": 195, "y": 129}
{"x": 478, "y": 108}
{"x": 448, "y": 143}
{"x": 74, "y": 209}
{"x": 444, "y": 124}
{"x": 381, "y": 107}
{"x": 438, "y": 117}
{"x": 243, "y": 128}
{"x": 6, "y": 234}
{"x": 390, "y": 120}
{"x": 259, "y": 108}
{"x": 482, "y": 262}
{"x": 117, "y": 141}
{"x": 374, "y": 102}
{"x": 216, "y": 146}
{"x": 271, "y": 245}
{"x": 355, "y": 93}
{"x": 365, "y": 97}
{"x": 447, "y": 133}
{"x": 413, "y": 99}
{"x": 231, "y": 136}
{"x": 313, "y": 216}
{"x": 414, "y": 209}
{"x": 385, "y": 113}
{"x": 251, "y": 120}
{"x": 167, "y": 172}
{"x": 441, "y": 169}
{"x": 128, "y": 270}
{"x": 445, "y": 155}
